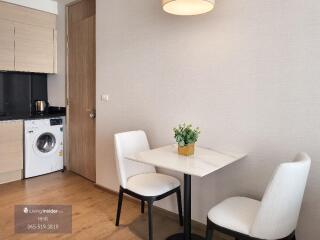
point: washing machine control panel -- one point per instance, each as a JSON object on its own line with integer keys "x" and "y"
{"x": 55, "y": 121}
{"x": 31, "y": 127}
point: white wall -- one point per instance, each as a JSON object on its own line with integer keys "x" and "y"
{"x": 247, "y": 74}
{"x": 56, "y": 82}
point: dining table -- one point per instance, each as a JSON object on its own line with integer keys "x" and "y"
{"x": 203, "y": 162}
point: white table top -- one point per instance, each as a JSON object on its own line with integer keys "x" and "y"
{"x": 202, "y": 163}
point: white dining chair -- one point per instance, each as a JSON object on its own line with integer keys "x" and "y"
{"x": 273, "y": 218}
{"x": 140, "y": 180}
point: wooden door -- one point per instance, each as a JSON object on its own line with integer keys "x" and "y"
{"x": 81, "y": 89}
{"x": 6, "y": 46}
{"x": 34, "y": 48}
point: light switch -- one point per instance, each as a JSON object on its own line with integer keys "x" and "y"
{"x": 105, "y": 97}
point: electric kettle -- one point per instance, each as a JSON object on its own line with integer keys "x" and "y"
{"x": 41, "y": 106}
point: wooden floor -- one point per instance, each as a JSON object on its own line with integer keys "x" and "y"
{"x": 93, "y": 210}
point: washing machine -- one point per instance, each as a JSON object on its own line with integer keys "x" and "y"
{"x": 43, "y": 146}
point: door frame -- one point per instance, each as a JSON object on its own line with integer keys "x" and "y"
{"x": 66, "y": 36}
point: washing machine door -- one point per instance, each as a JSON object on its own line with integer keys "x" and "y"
{"x": 45, "y": 144}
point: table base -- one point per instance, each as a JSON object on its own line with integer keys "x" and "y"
{"x": 180, "y": 236}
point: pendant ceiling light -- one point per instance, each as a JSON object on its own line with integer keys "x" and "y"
{"x": 187, "y": 7}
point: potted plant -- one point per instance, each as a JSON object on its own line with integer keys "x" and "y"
{"x": 186, "y": 136}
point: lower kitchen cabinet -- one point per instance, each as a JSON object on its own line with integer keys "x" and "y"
{"x": 11, "y": 150}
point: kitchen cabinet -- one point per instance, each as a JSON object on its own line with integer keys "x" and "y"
{"x": 11, "y": 150}
{"x": 34, "y": 48}
{"x": 28, "y": 40}
{"x": 6, "y": 45}
{"x": 16, "y": 13}
{"x": 55, "y": 51}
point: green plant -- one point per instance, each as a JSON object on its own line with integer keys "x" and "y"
{"x": 185, "y": 134}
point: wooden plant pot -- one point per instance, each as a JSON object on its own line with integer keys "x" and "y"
{"x": 186, "y": 150}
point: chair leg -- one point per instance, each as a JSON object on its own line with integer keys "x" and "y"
{"x": 150, "y": 204}
{"x": 142, "y": 206}
{"x": 120, "y": 197}
{"x": 209, "y": 233}
{"x": 179, "y": 206}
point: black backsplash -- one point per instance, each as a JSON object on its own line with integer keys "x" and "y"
{"x": 1, "y": 94}
{"x": 18, "y": 91}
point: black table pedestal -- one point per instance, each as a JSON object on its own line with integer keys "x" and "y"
{"x": 186, "y": 235}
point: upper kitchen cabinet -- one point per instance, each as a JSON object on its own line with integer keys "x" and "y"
{"x": 28, "y": 39}
{"x": 34, "y": 49}
{"x": 6, "y": 46}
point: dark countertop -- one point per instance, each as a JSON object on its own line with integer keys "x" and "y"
{"x": 51, "y": 113}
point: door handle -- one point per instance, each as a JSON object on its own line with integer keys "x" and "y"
{"x": 92, "y": 113}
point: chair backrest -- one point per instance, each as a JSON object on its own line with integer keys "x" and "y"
{"x": 280, "y": 206}
{"x": 129, "y": 143}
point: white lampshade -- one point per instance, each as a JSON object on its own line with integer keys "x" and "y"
{"x": 187, "y": 7}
